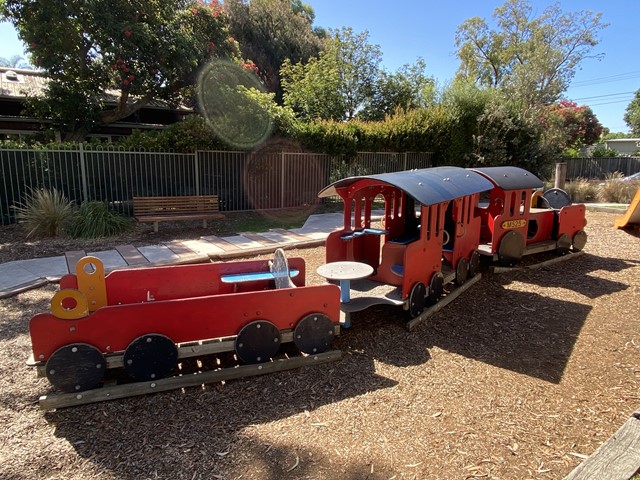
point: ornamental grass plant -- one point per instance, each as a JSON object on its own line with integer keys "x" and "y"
{"x": 46, "y": 213}
{"x": 616, "y": 190}
{"x": 582, "y": 190}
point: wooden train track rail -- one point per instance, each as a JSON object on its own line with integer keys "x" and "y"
{"x": 113, "y": 392}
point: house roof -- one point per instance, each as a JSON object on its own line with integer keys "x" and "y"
{"x": 16, "y": 84}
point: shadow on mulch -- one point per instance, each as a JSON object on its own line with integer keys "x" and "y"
{"x": 219, "y": 419}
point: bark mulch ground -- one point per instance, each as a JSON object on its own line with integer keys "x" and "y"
{"x": 523, "y": 376}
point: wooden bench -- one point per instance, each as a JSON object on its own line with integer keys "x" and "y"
{"x": 186, "y": 207}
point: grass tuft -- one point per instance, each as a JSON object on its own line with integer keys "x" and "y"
{"x": 95, "y": 220}
{"x": 46, "y": 213}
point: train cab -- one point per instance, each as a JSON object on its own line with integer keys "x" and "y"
{"x": 517, "y": 219}
{"x": 427, "y": 234}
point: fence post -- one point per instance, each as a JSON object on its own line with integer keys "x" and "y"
{"x": 196, "y": 166}
{"x": 83, "y": 174}
{"x": 405, "y": 161}
{"x": 561, "y": 174}
{"x": 282, "y": 180}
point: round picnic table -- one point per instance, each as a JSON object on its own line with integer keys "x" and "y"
{"x": 345, "y": 272}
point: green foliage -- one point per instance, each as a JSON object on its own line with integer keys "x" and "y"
{"x": 95, "y": 220}
{"x": 46, "y": 213}
{"x": 105, "y": 62}
{"x": 582, "y": 190}
{"x": 531, "y": 59}
{"x": 632, "y": 114}
{"x": 272, "y": 31}
{"x": 407, "y": 89}
{"x": 602, "y": 151}
{"x": 615, "y": 190}
{"x": 336, "y": 84}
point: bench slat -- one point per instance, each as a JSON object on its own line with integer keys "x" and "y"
{"x": 184, "y": 207}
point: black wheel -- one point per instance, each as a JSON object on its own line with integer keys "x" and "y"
{"x": 417, "y": 299}
{"x": 150, "y": 357}
{"x": 258, "y": 341}
{"x": 579, "y": 240}
{"x": 511, "y": 249}
{"x": 435, "y": 288}
{"x": 314, "y": 333}
{"x": 462, "y": 271}
{"x": 564, "y": 244}
{"x": 76, "y": 367}
{"x": 474, "y": 264}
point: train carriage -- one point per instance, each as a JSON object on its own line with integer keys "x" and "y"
{"x": 428, "y": 234}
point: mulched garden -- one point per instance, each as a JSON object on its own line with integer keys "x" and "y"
{"x": 523, "y": 376}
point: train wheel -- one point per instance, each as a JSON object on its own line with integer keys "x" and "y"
{"x": 579, "y": 240}
{"x": 314, "y": 333}
{"x": 564, "y": 244}
{"x": 462, "y": 271}
{"x": 474, "y": 264}
{"x": 76, "y": 367}
{"x": 258, "y": 341}
{"x": 435, "y": 288}
{"x": 417, "y": 299}
{"x": 150, "y": 357}
{"x": 511, "y": 249}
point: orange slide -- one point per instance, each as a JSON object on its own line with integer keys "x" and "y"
{"x": 632, "y": 215}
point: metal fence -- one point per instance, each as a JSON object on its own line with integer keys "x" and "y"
{"x": 242, "y": 180}
{"x": 592, "y": 168}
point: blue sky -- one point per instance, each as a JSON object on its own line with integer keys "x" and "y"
{"x": 408, "y": 29}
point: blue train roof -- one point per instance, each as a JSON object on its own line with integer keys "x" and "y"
{"x": 428, "y": 186}
{"x": 510, "y": 178}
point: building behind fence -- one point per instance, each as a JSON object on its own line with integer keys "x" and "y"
{"x": 242, "y": 180}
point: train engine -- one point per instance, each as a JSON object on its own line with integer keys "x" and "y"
{"x": 518, "y": 220}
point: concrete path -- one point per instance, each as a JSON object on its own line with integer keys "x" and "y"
{"x": 23, "y": 275}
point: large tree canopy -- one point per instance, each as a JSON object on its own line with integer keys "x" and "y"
{"x": 271, "y": 31}
{"x": 338, "y": 83}
{"x": 532, "y": 58}
{"x": 136, "y": 50}
{"x": 632, "y": 114}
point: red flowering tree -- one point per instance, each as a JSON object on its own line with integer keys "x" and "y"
{"x": 134, "y": 50}
{"x": 580, "y": 124}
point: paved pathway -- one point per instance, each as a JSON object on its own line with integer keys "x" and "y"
{"x": 22, "y": 275}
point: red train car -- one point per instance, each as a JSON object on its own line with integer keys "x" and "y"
{"x": 146, "y": 319}
{"x": 427, "y": 237}
{"x": 518, "y": 220}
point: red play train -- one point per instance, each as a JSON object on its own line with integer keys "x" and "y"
{"x": 436, "y": 226}
{"x": 439, "y": 222}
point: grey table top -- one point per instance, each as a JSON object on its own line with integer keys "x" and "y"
{"x": 345, "y": 270}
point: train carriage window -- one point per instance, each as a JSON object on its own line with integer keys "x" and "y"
{"x": 523, "y": 201}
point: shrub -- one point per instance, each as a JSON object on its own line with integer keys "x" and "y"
{"x": 615, "y": 190}
{"x": 601, "y": 151}
{"x": 95, "y": 219}
{"x": 46, "y": 213}
{"x": 581, "y": 190}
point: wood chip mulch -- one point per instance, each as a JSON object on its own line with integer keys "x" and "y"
{"x": 523, "y": 376}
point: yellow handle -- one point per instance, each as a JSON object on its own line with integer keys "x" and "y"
{"x": 69, "y": 304}
{"x": 90, "y": 273}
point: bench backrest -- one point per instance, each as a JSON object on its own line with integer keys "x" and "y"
{"x": 175, "y": 205}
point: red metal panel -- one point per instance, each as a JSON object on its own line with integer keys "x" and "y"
{"x": 112, "y": 328}
{"x": 571, "y": 219}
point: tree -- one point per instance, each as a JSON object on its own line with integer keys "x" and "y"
{"x": 271, "y": 31}
{"x": 136, "y": 51}
{"x": 579, "y": 123}
{"x": 632, "y": 114}
{"x": 532, "y": 59}
{"x": 406, "y": 89}
{"x": 14, "y": 61}
{"x": 338, "y": 83}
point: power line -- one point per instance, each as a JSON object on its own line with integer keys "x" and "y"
{"x": 608, "y": 79}
{"x": 601, "y": 96}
